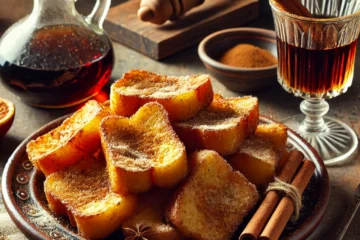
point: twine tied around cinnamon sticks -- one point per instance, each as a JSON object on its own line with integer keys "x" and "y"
{"x": 287, "y": 190}
{"x": 275, "y": 211}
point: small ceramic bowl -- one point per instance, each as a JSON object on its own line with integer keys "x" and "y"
{"x": 239, "y": 79}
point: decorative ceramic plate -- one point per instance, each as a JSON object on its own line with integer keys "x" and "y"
{"x": 24, "y": 198}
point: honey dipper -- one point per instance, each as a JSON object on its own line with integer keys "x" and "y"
{"x": 159, "y": 11}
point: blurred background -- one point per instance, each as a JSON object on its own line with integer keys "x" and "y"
{"x": 13, "y": 10}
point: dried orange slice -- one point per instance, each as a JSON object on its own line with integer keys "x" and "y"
{"x": 7, "y": 114}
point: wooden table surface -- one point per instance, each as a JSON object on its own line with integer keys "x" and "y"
{"x": 274, "y": 102}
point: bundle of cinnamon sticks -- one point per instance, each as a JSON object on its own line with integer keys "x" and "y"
{"x": 275, "y": 211}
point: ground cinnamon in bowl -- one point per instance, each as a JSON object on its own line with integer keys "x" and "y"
{"x": 248, "y": 56}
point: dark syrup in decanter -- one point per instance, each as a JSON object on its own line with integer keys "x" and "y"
{"x": 58, "y": 66}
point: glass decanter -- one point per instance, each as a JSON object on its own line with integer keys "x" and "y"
{"x": 55, "y": 57}
{"x": 316, "y": 62}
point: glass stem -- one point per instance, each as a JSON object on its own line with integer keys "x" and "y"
{"x": 314, "y": 111}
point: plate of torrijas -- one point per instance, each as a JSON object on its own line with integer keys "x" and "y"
{"x": 165, "y": 158}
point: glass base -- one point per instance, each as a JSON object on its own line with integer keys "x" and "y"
{"x": 335, "y": 143}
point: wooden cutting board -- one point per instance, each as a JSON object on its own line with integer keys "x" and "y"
{"x": 161, "y": 41}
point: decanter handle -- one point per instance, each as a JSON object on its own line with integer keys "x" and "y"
{"x": 98, "y": 14}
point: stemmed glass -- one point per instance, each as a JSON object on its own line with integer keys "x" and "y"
{"x": 316, "y": 62}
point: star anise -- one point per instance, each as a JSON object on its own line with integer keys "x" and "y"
{"x": 140, "y": 232}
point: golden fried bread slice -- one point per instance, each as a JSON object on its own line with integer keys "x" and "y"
{"x": 183, "y": 97}
{"x": 274, "y": 132}
{"x": 277, "y": 134}
{"x": 76, "y": 138}
{"x": 82, "y": 192}
{"x": 257, "y": 160}
{"x": 221, "y": 127}
{"x": 148, "y": 220}
{"x": 143, "y": 150}
{"x": 213, "y": 200}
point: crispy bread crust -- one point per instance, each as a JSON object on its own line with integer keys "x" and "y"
{"x": 277, "y": 134}
{"x": 204, "y": 207}
{"x": 82, "y": 192}
{"x": 182, "y": 97}
{"x": 75, "y": 139}
{"x": 257, "y": 160}
{"x": 262, "y": 155}
{"x": 222, "y": 127}
{"x": 143, "y": 150}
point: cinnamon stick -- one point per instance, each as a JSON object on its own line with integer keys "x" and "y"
{"x": 294, "y": 7}
{"x": 263, "y": 213}
{"x": 285, "y": 209}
